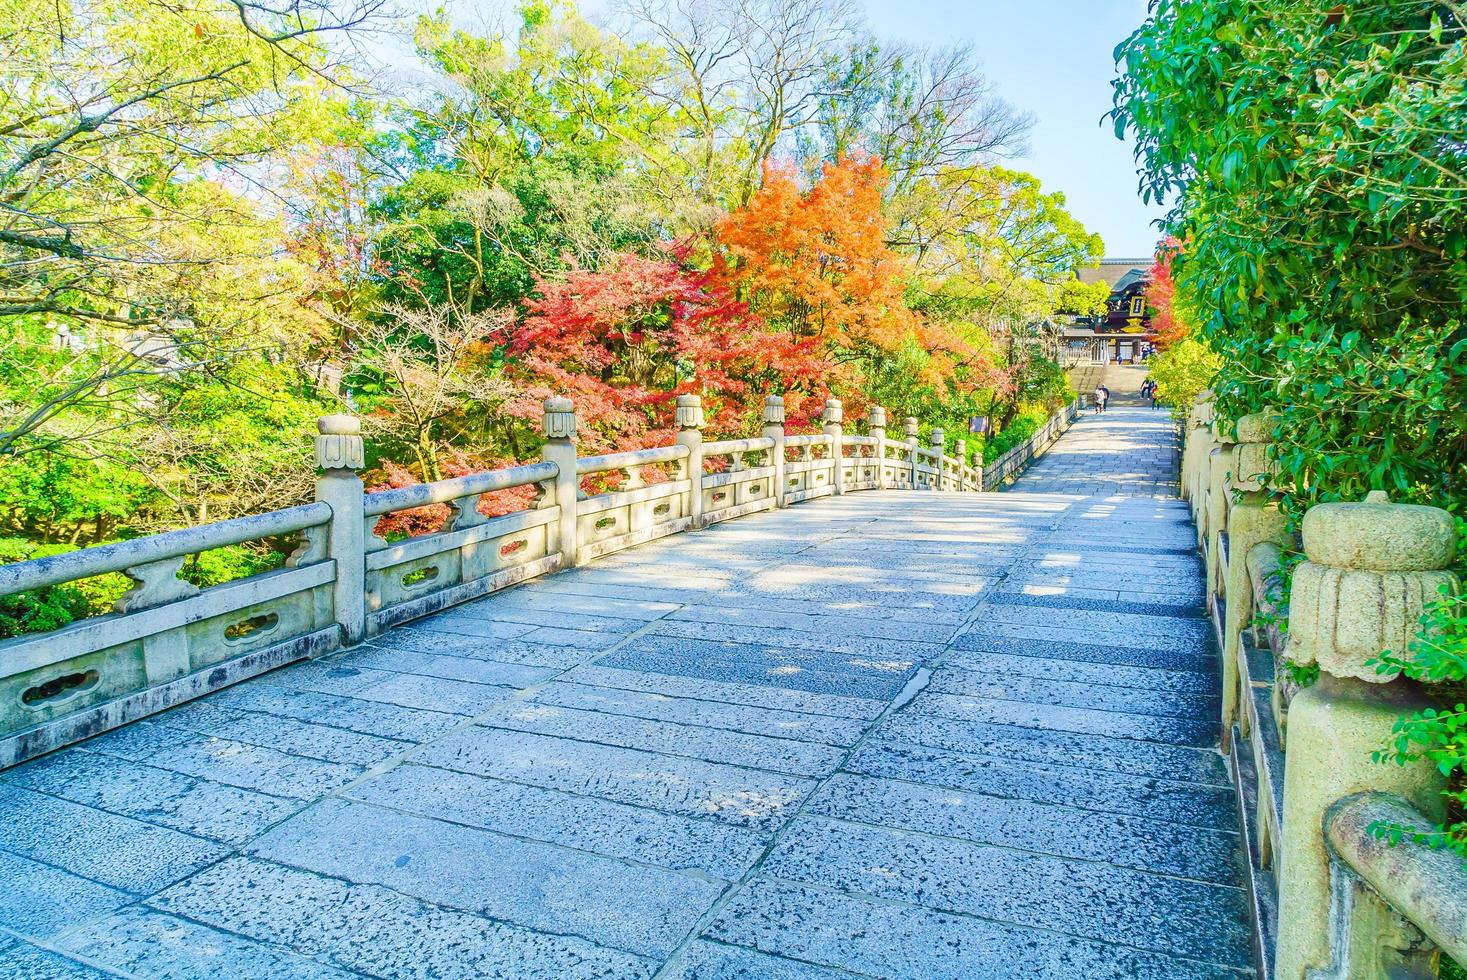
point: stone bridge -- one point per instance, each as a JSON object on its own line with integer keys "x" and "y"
{"x": 891, "y": 734}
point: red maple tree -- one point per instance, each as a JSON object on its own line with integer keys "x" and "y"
{"x": 625, "y": 340}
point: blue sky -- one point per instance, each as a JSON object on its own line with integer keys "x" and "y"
{"x": 1051, "y": 58}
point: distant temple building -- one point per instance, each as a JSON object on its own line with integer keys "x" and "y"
{"x": 1123, "y": 333}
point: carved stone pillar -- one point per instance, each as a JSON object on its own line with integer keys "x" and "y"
{"x": 559, "y": 426}
{"x": 876, "y": 428}
{"x": 690, "y": 433}
{"x": 1371, "y": 567}
{"x": 774, "y": 429}
{"x": 339, "y": 457}
{"x": 1220, "y": 466}
{"x": 1253, "y": 518}
{"x": 834, "y": 415}
{"x": 910, "y": 430}
{"x": 939, "y": 446}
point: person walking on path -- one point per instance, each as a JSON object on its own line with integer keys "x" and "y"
{"x": 1102, "y": 395}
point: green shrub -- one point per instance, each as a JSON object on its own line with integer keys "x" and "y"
{"x": 1025, "y": 424}
{"x": 43, "y": 610}
{"x": 1437, "y": 658}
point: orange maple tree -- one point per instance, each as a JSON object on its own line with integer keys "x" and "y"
{"x": 816, "y": 262}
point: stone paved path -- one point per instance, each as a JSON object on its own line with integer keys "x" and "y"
{"x": 891, "y": 734}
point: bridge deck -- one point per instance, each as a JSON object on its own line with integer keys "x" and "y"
{"x": 896, "y": 734}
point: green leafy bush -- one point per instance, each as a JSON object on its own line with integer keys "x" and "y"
{"x": 1182, "y": 372}
{"x": 43, "y": 610}
{"x": 1437, "y": 658}
{"x": 1029, "y": 420}
{"x": 47, "y": 609}
{"x": 1323, "y": 215}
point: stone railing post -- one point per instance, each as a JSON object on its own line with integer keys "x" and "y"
{"x": 690, "y": 434}
{"x": 939, "y": 446}
{"x": 1202, "y": 447}
{"x": 1371, "y": 568}
{"x": 559, "y": 423}
{"x": 1252, "y": 519}
{"x": 910, "y": 429}
{"x": 834, "y": 415}
{"x": 339, "y": 455}
{"x": 876, "y": 429}
{"x": 774, "y": 429}
{"x": 1220, "y": 465}
{"x": 960, "y": 450}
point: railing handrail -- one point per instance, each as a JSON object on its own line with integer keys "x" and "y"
{"x": 442, "y": 491}
{"x": 817, "y": 439}
{"x": 1426, "y": 885}
{"x": 586, "y": 465}
{"x": 39, "y": 573}
{"x": 726, "y": 446}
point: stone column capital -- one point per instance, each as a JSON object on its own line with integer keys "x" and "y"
{"x": 689, "y": 413}
{"x": 774, "y": 410}
{"x": 339, "y": 445}
{"x": 1372, "y": 567}
{"x": 559, "y": 421}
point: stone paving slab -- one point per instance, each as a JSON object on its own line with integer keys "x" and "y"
{"x": 152, "y": 943}
{"x": 1173, "y": 604}
{"x": 705, "y": 960}
{"x": 727, "y": 694}
{"x": 348, "y": 713}
{"x": 1100, "y": 902}
{"x": 1173, "y": 801}
{"x": 969, "y": 680}
{"x": 1087, "y": 753}
{"x": 804, "y": 662}
{"x": 20, "y": 960}
{"x": 889, "y": 734}
{"x": 290, "y": 735}
{"x": 889, "y": 939}
{"x": 695, "y": 742}
{"x": 42, "y": 901}
{"x": 1060, "y": 644}
{"x": 1162, "y": 684}
{"x": 1090, "y": 835}
{"x": 378, "y": 931}
{"x": 618, "y": 830}
{"x": 239, "y": 764}
{"x": 554, "y": 657}
{"x": 196, "y": 806}
{"x": 504, "y": 878}
{"x": 745, "y": 719}
{"x": 689, "y": 787}
{"x": 1058, "y": 715}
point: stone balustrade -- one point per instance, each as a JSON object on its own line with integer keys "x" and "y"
{"x": 1330, "y": 898}
{"x": 168, "y": 641}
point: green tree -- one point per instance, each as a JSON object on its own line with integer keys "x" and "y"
{"x": 1311, "y": 150}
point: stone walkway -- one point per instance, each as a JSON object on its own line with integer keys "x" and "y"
{"x": 1129, "y": 451}
{"x": 890, "y": 734}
